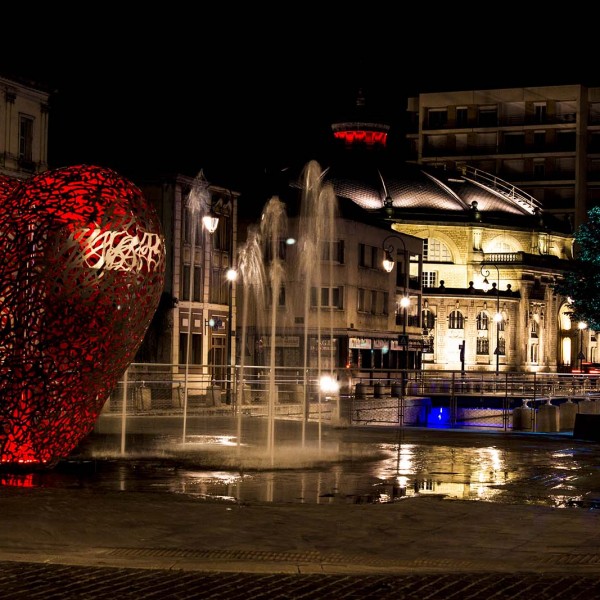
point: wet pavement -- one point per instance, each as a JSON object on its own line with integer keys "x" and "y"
{"x": 355, "y": 465}
{"x": 412, "y": 513}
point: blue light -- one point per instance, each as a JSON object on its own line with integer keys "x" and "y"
{"x": 439, "y": 416}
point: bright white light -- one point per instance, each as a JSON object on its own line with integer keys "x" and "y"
{"x": 405, "y": 302}
{"x": 329, "y": 385}
{"x": 582, "y": 325}
{"x": 498, "y": 317}
{"x": 231, "y": 274}
{"x": 210, "y": 222}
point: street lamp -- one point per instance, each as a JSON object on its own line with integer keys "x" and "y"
{"x": 197, "y": 201}
{"x": 581, "y": 325}
{"x": 388, "y": 264}
{"x": 498, "y": 315}
{"x": 231, "y": 277}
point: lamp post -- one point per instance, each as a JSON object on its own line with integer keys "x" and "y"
{"x": 231, "y": 277}
{"x": 388, "y": 264}
{"x": 196, "y": 202}
{"x": 498, "y": 315}
{"x": 581, "y": 325}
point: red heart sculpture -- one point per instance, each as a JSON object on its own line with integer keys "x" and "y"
{"x": 81, "y": 274}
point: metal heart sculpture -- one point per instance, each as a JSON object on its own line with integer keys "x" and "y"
{"x": 81, "y": 275}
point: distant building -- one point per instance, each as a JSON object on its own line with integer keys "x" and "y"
{"x": 198, "y": 299}
{"x": 476, "y": 230}
{"x": 23, "y": 128}
{"x": 545, "y": 140}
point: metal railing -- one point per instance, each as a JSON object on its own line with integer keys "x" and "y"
{"x": 407, "y": 397}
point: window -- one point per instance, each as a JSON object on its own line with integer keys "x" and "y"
{"x": 430, "y": 278}
{"x": 427, "y": 319}
{"x": 488, "y": 115}
{"x": 330, "y": 297}
{"x": 361, "y": 300}
{"x": 566, "y": 140}
{"x": 280, "y": 299}
{"x": 25, "y": 138}
{"x": 191, "y": 222}
{"x": 534, "y": 352}
{"x": 367, "y": 256}
{"x": 195, "y": 356}
{"x": 373, "y": 302}
{"x": 483, "y": 345}
{"x": 462, "y": 116}
{"x": 456, "y": 320}
{"x": 184, "y": 293}
{"x": 539, "y": 109}
{"x": 333, "y": 251}
{"x": 539, "y": 168}
{"x": 534, "y": 329}
{"x": 437, "y": 117}
{"x": 539, "y": 139}
{"x": 222, "y": 236}
{"x": 436, "y": 251}
{"x": 501, "y": 346}
{"x": 219, "y": 286}
{"x": 281, "y": 250}
{"x": 482, "y": 321}
{"x": 514, "y": 142}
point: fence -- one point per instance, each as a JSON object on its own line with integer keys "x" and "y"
{"x": 407, "y": 397}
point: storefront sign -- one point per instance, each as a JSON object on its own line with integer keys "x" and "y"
{"x": 360, "y": 343}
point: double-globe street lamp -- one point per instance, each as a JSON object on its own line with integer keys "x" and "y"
{"x": 498, "y": 316}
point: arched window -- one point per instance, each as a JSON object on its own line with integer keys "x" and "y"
{"x": 483, "y": 321}
{"x": 456, "y": 320}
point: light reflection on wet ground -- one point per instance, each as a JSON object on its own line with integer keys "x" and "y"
{"x": 371, "y": 465}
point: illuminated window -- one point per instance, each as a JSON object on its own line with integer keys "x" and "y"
{"x": 430, "y": 278}
{"x": 436, "y": 251}
{"x": 482, "y": 321}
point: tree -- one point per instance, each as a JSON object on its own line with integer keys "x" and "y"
{"x": 582, "y": 284}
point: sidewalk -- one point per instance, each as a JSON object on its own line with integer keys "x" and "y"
{"x": 417, "y": 536}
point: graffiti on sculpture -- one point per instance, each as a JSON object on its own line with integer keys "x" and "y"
{"x": 81, "y": 274}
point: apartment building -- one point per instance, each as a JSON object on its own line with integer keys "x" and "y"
{"x": 545, "y": 140}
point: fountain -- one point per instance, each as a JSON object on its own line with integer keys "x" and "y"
{"x": 262, "y": 278}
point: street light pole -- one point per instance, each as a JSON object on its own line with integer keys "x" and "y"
{"x": 388, "y": 264}
{"x": 197, "y": 201}
{"x": 581, "y": 325}
{"x": 498, "y": 315}
{"x": 231, "y": 277}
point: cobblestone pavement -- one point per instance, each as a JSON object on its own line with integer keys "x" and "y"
{"x": 28, "y": 581}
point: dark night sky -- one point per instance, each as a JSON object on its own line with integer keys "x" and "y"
{"x": 236, "y": 94}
